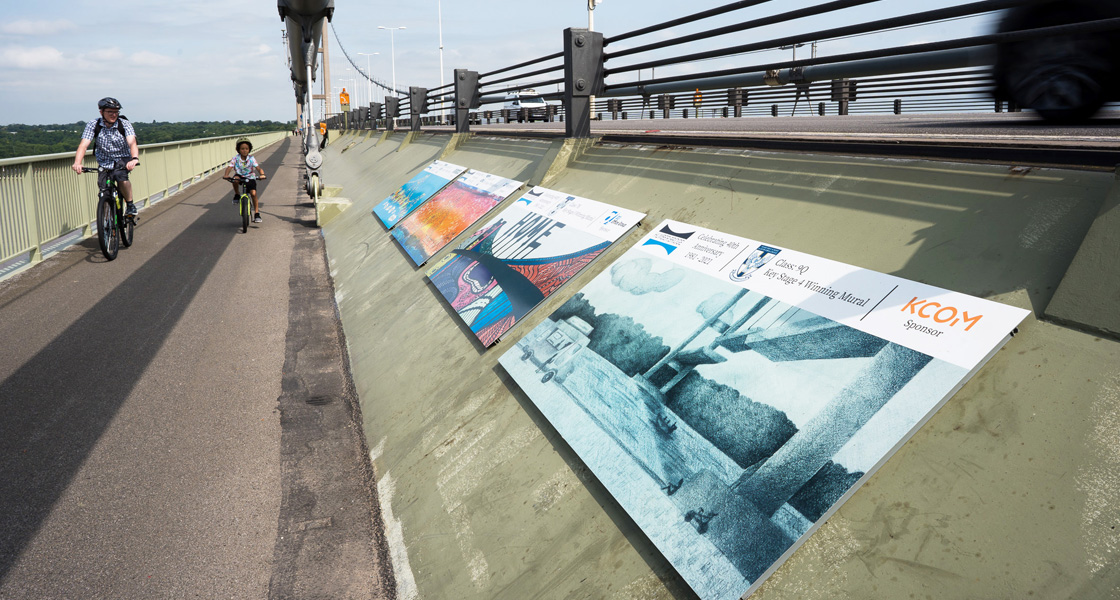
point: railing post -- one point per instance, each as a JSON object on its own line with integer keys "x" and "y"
{"x": 583, "y": 78}
{"x": 666, "y": 103}
{"x": 392, "y": 111}
{"x": 466, "y": 98}
{"x": 374, "y": 114}
{"x": 735, "y": 99}
{"x": 843, "y": 92}
{"x": 31, "y": 213}
{"x": 417, "y": 105}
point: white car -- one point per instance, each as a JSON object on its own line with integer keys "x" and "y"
{"x": 527, "y": 99}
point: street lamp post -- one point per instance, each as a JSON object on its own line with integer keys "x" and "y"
{"x": 439, "y": 19}
{"x": 393, "y": 52}
{"x": 369, "y": 76}
{"x": 591, "y": 4}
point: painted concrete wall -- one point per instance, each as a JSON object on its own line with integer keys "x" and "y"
{"x": 1007, "y": 492}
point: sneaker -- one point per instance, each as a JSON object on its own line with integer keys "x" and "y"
{"x": 131, "y": 210}
{"x": 257, "y": 218}
{"x": 236, "y": 197}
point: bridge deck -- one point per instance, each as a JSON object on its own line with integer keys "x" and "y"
{"x": 161, "y": 412}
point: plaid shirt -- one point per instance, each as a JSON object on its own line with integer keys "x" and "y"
{"x": 111, "y": 145}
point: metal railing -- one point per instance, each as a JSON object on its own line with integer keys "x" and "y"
{"x": 591, "y": 70}
{"x": 43, "y": 202}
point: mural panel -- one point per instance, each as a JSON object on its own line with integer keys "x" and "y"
{"x": 450, "y": 212}
{"x": 731, "y": 394}
{"x": 415, "y": 191}
{"x": 525, "y": 254}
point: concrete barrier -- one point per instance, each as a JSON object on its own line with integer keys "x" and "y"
{"x": 1007, "y": 491}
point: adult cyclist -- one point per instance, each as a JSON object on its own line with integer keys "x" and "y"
{"x": 115, "y": 148}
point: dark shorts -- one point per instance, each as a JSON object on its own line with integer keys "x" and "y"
{"x": 250, "y": 185}
{"x": 118, "y": 173}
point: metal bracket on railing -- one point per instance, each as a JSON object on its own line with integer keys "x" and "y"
{"x": 374, "y": 114}
{"x": 392, "y": 111}
{"x": 583, "y": 78}
{"x": 772, "y": 77}
{"x": 466, "y": 97}
{"x": 417, "y": 105}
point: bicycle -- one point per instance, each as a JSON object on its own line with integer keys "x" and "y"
{"x": 114, "y": 227}
{"x": 244, "y": 201}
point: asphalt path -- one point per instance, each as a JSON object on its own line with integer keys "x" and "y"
{"x": 179, "y": 422}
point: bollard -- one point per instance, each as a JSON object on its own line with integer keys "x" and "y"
{"x": 999, "y": 106}
{"x": 623, "y": 116}
{"x": 820, "y": 108}
{"x": 773, "y": 110}
{"x": 684, "y": 113}
{"x": 725, "y": 112}
{"x": 897, "y": 106}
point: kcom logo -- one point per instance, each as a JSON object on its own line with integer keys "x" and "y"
{"x": 941, "y": 314}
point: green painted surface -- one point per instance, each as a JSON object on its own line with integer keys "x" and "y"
{"x": 1089, "y": 295}
{"x": 1008, "y": 492}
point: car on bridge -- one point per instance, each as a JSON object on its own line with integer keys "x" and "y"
{"x": 1065, "y": 76}
{"x": 535, "y": 107}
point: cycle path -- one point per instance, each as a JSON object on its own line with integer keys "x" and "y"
{"x": 180, "y": 422}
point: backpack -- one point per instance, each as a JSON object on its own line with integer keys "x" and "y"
{"x": 98, "y": 127}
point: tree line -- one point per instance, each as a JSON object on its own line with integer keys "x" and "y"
{"x": 748, "y": 432}
{"x": 32, "y": 140}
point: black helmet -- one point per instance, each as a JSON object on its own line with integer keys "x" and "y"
{"x": 104, "y": 103}
{"x": 243, "y": 141}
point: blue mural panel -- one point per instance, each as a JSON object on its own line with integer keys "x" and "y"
{"x": 731, "y": 394}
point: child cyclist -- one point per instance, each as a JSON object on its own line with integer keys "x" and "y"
{"x": 243, "y": 164}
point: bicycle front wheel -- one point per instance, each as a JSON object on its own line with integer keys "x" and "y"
{"x": 107, "y": 235}
{"x": 128, "y": 223}
{"x": 244, "y": 214}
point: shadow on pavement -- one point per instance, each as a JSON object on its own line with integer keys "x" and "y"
{"x": 60, "y": 402}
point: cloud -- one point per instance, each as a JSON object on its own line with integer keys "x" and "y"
{"x": 635, "y": 277}
{"x": 262, "y": 50}
{"x": 145, "y": 58}
{"x": 104, "y": 55}
{"x": 28, "y": 27}
{"x": 38, "y": 57}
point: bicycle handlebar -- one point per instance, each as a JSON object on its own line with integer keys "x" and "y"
{"x": 88, "y": 170}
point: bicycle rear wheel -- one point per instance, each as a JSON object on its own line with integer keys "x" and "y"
{"x": 244, "y": 213}
{"x": 107, "y": 235}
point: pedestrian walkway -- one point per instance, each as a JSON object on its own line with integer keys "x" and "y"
{"x": 179, "y": 422}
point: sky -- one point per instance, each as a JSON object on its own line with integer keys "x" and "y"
{"x": 226, "y": 60}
